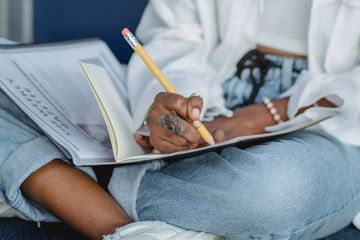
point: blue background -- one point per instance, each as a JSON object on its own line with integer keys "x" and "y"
{"x": 58, "y": 20}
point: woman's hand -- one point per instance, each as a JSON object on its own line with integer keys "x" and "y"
{"x": 164, "y": 140}
{"x": 247, "y": 120}
{"x": 243, "y": 123}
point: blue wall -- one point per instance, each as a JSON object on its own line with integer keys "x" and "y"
{"x": 57, "y": 20}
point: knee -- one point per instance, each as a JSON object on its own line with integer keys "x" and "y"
{"x": 249, "y": 194}
{"x": 276, "y": 202}
{"x": 266, "y": 195}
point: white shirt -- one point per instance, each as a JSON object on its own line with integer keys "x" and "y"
{"x": 284, "y": 25}
{"x": 197, "y": 43}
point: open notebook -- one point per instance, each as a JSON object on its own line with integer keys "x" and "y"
{"x": 75, "y": 93}
{"x": 119, "y": 121}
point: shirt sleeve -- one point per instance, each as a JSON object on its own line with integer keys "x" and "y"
{"x": 23, "y": 150}
{"x": 173, "y": 36}
{"x": 342, "y": 89}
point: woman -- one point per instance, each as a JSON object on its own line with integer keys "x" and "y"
{"x": 303, "y": 55}
{"x": 306, "y": 59}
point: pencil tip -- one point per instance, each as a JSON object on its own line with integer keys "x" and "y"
{"x": 125, "y": 32}
{"x": 210, "y": 141}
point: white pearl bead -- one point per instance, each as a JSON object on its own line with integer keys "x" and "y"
{"x": 266, "y": 100}
{"x": 277, "y": 117}
{"x": 269, "y": 105}
{"x": 273, "y": 111}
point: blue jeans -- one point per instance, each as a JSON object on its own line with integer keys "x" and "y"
{"x": 301, "y": 186}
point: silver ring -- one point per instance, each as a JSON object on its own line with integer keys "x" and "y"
{"x": 171, "y": 122}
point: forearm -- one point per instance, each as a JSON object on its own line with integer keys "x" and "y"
{"x": 75, "y": 198}
{"x": 253, "y": 119}
{"x": 261, "y": 116}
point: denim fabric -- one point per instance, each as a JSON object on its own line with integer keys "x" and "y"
{"x": 23, "y": 150}
{"x": 300, "y": 186}
{"x": 278, "y": 79}
{"x": 4, "y": 41}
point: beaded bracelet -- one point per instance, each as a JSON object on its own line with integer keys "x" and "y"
{"x": 274, "y": 113}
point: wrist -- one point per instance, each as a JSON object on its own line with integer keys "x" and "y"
{"x": 250, "y": 120}
{"x": 323, "y": 102}
{"x": 240, "y": 125}
{"x": 273, "y": 113}
{"x": 253, "y": 119}
{"x": 281, "y": 106}
{"x": 268, "y": 118}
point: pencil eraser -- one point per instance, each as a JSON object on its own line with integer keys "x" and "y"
{"x": 125, "y": 32}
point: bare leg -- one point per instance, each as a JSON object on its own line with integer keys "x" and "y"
{"x": 76, "y": 199}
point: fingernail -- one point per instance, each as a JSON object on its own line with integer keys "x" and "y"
{"x": 219, "y": 136}
{"x": 139, "y": 137}
{"x": 210, "y": 141}
{"x": 155, "y": 151}
{"x": 194, "y": 145}
{"x": 196, "y": 113}
{"x": 196, "y": 124}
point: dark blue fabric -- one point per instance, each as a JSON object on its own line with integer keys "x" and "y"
{"x": 59, "y": 20}
{"x": 14, "y": 229}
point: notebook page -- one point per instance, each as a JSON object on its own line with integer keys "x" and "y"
{"x": 47, "y": 83}
{"x": 119, "y": 120}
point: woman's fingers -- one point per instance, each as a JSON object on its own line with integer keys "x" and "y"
{"x": 142, "y": 140}
{"x": 187, "y": 139}
{"x": 187, "y": 108}
{"x": 191, "y": 134}
{"x": 169, "y": 136}
{"x": 170, "y": 114}
{"x": 163, "y": 146}
{"x": 219, "y": 136}
{"x": 155, "y": 151}
{"x": 172, "y": 102}
{"x": 194, "y": 107}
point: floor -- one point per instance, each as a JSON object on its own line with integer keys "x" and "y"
{"x": 14, "y": 229}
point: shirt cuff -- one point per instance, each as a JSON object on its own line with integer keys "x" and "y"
{"x": 27, "y": 159}
{"x": 307, "y": 90}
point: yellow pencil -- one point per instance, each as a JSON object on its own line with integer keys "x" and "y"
{"x": 135, "y": 44}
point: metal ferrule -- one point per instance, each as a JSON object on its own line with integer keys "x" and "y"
{"x": 131, "y": 39}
